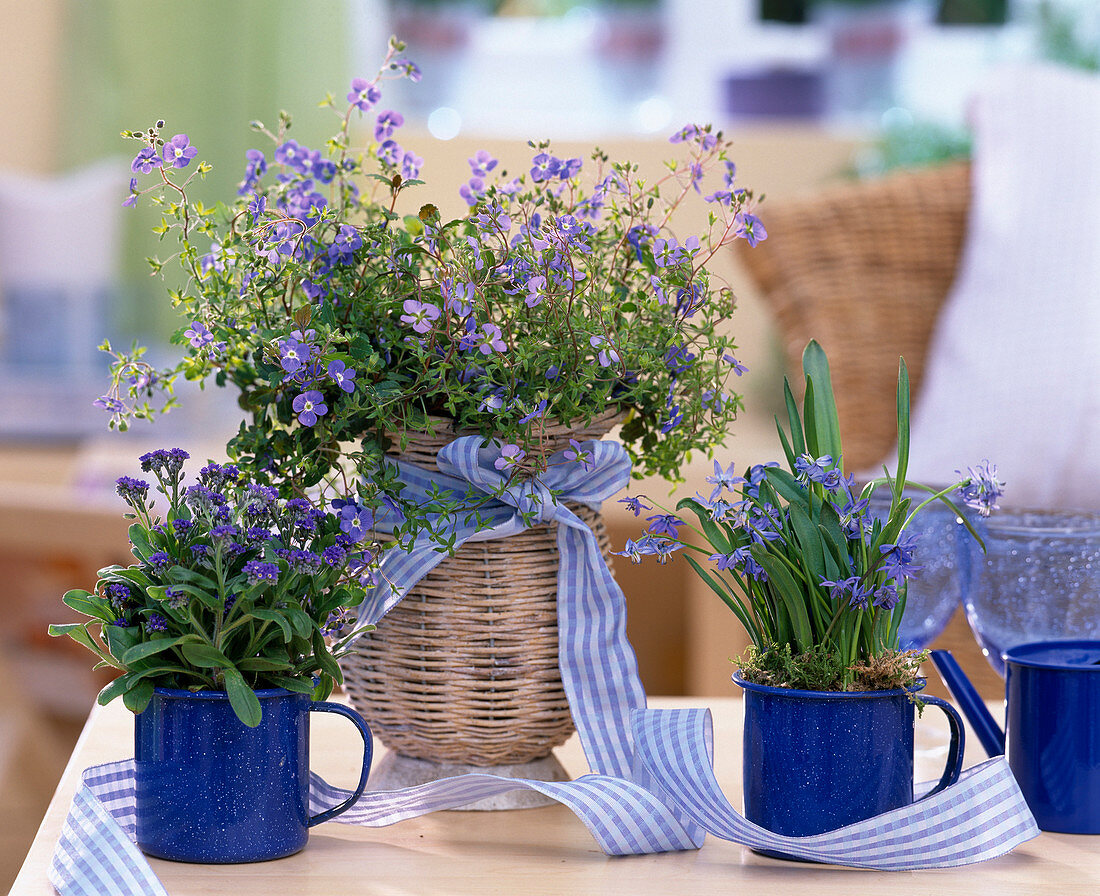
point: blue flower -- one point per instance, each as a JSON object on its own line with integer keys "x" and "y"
{"x": 664, "y": 524}
{"x": 334, "y": 555}
{"x": 309, "y": 406}
{"x": 132, "y": 491}
{"x": 363, "y": 94}
{"x": 634, "y": 505}
{"x": 385, "y": 124}
{"x": 203, "y": 500}
{"x": 544, "y": 167}
{"x": 981, "y": 488}
{"x": 176, "y": 598}
{"x": 255, "y": 166}
{"x": 510, "y": 456}
{"x": 145, "y": 161}
{"x": 851, "y": 589}
{"x": 675, "y": 418}
{"x": 539, "y": 410}
{"x": 356, "y": 522}
{"x": 169, "y": 461}
{"x": 491, "y": 340}
{"x": 261, "y": 571}
{"x": 737, "y": 366}
{"x": 750, "y": 228}
{"x": 178, "y": 152}
{"x": 421, "y": 315}
{"x": 722, "y": 479}
{"x": 160, "y": 561}
{"x": 408, "y": 68}
{"x": 898, "y": 558}
{"x": 482, "y": 163}
{"x": 343, "y": 376}
{"x": 217, "y": 476}
{"x": 606, "y": 355}
{"x": 118, "y": 595}
{"x": 155, "y": 623}
{"x": 578, "y": 455}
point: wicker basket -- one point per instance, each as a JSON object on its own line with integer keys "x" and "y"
{"x": 465, "y": 669}
{"x": 863, "y": 268}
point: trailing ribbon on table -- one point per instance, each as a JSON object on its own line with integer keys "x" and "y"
{"x": 652, "y": 787}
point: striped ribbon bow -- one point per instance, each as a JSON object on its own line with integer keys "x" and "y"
{"x": 652, "y": 787}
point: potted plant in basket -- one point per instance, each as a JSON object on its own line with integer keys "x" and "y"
{"x": 358, "y": 335}
{"x": 819, "y": 583}
{"x": 225, "y": 633}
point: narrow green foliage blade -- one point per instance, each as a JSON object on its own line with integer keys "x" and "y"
{"x": 729, "y": 599}
{"x": 790, "y": 592}
{"x": 903, "y": 427}
{"x": 815, "y": 365}
{"x": 798, "y": 438}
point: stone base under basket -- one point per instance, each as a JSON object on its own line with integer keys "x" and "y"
{"x": 395, "y": 772}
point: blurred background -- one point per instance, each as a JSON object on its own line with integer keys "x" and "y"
{"x": 815, "y": 93}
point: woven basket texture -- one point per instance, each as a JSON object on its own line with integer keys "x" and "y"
{"x": 465, "y": 669}
{"x": 864, "y": 268}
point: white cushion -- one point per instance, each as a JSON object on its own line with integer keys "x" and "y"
{"x": 1013, "y": 372}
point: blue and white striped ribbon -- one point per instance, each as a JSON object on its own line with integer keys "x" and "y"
{"x": 652, "y": 787}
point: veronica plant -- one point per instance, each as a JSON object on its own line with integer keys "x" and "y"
{"x": 234, "y": 590}
{"x": 796, "y": 554}
{"x": 561, "y": 295}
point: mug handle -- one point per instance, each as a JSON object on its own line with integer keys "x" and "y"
{"x": 954, "y": 751}
{"x": 368, "y": 751}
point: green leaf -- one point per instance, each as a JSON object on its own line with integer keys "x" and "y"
{"x": 278, "y": 618}
{"x": 79, "y": 633}
{"x": 183, "y": 574}
{"x": 120, "y": 639}
{"x": 158, "y": 592}
{"x": 788, "y": 452}
{"x": 205, "y": 656}
{"x": 146, "y": 649}
{"x": 139, "y": 540}
{"x": 324, "y": 659}
{"x": 89, "y": 605}
{"x": 114, "y": 689}
{"x": 903, "y": 427}
{"x": 786, "y": 485}
{"x": 815, "y": 365}
{"x": 291, "y": 684}
{"x": 798, "y": 438}
{"x": 714, "y": 533}
{"x": 299, "y": 621}
{"x": 790, "y": 592}
{"x": 138, "y": 695}
{"x": 132, "y": 574}
{"x": 242, "y": 698}
{"x": 809, "y": 541}
{"x": 808, "y": 411}
{"x": 718, "y": 586}
{"x": 263, "y": 664}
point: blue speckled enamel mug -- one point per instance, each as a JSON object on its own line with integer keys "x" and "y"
{"x": 1052, "y": 727}
{"x": 816, "y": 761}
{"x": 210, "y": 789}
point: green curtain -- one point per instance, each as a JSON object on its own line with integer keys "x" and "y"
{"x": 208, "y": 68}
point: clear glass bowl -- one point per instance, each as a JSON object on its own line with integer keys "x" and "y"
{"x": 1038, "y": 580}
{"x": 936, "y": 590}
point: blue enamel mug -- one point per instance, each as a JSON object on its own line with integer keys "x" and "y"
{"x": 210, "y": 789}
{"x": 1052, "y": 731}
{"x": 815, "y": 761}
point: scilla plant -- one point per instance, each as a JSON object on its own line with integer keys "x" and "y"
{"x": 234, "y": 590}
{"x": 561, "y": 295}
{"x": 817, "y": 581}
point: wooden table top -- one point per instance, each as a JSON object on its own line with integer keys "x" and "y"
{"x": 547, "y": 850}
